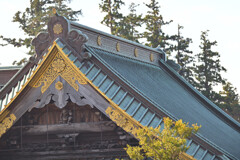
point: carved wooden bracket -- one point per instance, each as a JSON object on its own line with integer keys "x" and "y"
{"x": 59, "y": 27}
{"x": 60, "y": 97}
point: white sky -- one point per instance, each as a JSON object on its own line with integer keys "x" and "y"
{"x": 221, "y": 17}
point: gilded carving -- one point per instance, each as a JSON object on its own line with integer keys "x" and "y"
{"x": 57, "y": 28}
{"x": 136, "y": 52}
{"x": 6, "y": 124}
{"x": 59, "y": 85}
{"x": 99, "y": 42}
{"x": 121, "y": 120}
{"x": 118, "y": 47}
{"x": 59, "y": 67}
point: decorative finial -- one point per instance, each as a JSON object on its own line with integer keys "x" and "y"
{"x": 55, "y": 11}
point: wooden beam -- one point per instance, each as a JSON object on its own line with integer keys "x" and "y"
{"x": 66, "y": 154}
{"x": 67, "y": 128}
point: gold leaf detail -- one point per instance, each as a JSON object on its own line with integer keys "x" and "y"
{"x": 118, "y": 47}
{"x": 6, "y": 124}
{"x": 57, "y": 28}
{"x": 121, "y": 120}
{"x": 99, "y": 42}
{"x": 59, "y": 67}
{"x": 54, "y": 10}
{"x": 59, "y": 85}
{"x": 136, "y": 52}
{"x": 185, "y": 156}
{"x": 151, "y": 57}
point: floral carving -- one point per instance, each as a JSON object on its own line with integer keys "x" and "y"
{"x": 59, "y": 67}
{"x": 57, "y": 28}
{"x": 6, "y": 124}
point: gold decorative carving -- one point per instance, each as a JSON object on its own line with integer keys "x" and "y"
{"x": 118, "y": 47}
{"x": 57, "y": 28}
{"x": 54, "y": 10}
{"x": 136, "y": 52}
{"x": 99, "y": 41}
{"x": 151, "y": 57}
{"x": 121, "y": 120}
{"x": 59, "y": 67}
{"x": 59, "y": 85}
{"x": 185, "y": 156}
{"x": 7, "y": 123}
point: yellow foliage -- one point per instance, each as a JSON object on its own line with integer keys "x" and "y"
{"x": 165, "y": 144}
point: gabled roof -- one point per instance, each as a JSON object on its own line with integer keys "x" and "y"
{"x": 170, "y": 96}
{"x": 133, "y": 78}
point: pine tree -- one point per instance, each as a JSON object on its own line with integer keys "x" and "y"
{"x": 208, "y": 69}
{"x": 128, "y": 26}
{"x": 34, "y": 20}
{"x": 113, "y": 16}
{"x": 184, "y": 56}
{"x": 230, "y": 100}
{"x": 154, "y": 23}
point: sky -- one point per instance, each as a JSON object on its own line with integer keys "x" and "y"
{"x": 221, "y": 17}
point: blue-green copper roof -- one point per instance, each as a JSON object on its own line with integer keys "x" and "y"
{"x": 159, "y": 86}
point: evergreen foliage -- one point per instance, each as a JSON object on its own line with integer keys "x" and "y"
{"x": 113, "y": 17}
{"x": 164, "y": 144}
{"x": 34, "y": 20}
{"x": 128, "y": 25}
{"x": 208, "y": 69}
{"x": 184, "y": 56}
{"x": 154, "y": 27}
{"x": 230, "y": 100}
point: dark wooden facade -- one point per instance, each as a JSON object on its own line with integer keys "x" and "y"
{"x": 74, "y": 132}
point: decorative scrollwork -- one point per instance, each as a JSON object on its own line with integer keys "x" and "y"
{"x": 59, "y": 67}
{"x": 121, "y": 120}
{"x": 6, "y": 124}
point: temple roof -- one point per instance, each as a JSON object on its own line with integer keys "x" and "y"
{"x": 157, "y": 84}
{"x": 133, "y": 78}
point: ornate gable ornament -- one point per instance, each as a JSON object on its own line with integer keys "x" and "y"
{"x": 59, "y": 27}
{"x": 58, "y": 65}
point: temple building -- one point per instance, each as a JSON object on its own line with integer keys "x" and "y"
{"x": 59, "y": 104}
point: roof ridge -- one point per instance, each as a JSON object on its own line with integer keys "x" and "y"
{"x": 155, "y": 50}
